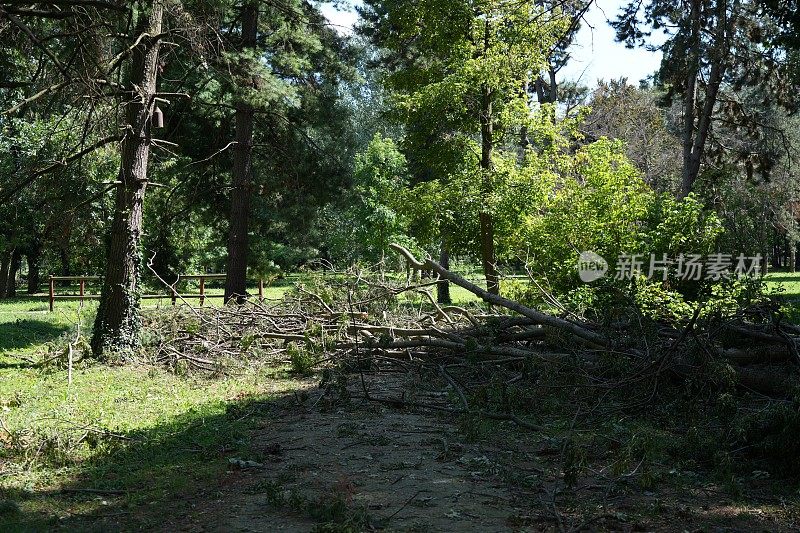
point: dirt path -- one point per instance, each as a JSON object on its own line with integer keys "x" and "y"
{"x": 393, "y": 470}
{"x": 318, "y": 466}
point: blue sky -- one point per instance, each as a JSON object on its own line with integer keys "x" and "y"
{"x": 595, "y": 54}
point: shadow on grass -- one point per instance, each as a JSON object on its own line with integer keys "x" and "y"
{"x": 170, "y": 477}
{"x": 24, "y": 333}
{"x": 6, "y": 366}
{"x": 143, "y": 479}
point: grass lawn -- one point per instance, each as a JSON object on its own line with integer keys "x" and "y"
{"x": 141, "y": 432}
{"x": 786, "y": 284}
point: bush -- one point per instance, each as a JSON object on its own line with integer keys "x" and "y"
{"x": 302, "y": 358}
{"x": 595, "y": 200}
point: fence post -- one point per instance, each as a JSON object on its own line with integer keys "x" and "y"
{"x": 261, "y": 289}
{"x": 52, "y": 294}
{"x": 83, "y": 286}
{"x": 202, "y": 290}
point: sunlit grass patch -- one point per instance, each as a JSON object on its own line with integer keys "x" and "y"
{"x": 786, "y": 284}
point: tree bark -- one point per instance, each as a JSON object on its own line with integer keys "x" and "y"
{"x": 5, "y": 267}
{"x": 236, "y": 281}
{"x": 547, "y": 93}
{"x": 695, "y": 134}
{"x": 13, "y": 270}
{"x": 485, "y": 217}
{"x": 553, "y": 85}
{"x": 486, "y": 223}
{"x": 443, "y": 287}
{"x": 63, "y": 256}
{"x": 524, "y": 141}
{"x": 34, "y": 259}
{"x": 690, "y": 97}
{"x": 117, "y": 324}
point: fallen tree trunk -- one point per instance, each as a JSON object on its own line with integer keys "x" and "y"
{"x": 759, "y": 366}
{"x": 581, "y": 331}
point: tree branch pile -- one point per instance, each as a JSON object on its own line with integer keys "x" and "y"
{"x": 365, "y": 322}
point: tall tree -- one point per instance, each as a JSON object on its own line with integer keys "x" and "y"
{"x": 711, "y": 45}
{"x": 459, "y": 70}
{"x": 118, "y": 323}
{"x": 54, "y": 83}
{"x": 634, "y": 115}
{"x": 236, "y": 282}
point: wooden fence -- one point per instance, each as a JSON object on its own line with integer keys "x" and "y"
{"x": 83, "y": 295}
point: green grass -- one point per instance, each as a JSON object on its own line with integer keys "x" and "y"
{"x": 786, "y": 284}
{"x": 137, "y": 429}
{"x": 26, "y": 326}
{"x": 461, "y": 296}
{"x": 147, "y": 433}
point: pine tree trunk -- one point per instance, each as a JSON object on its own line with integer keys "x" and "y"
{"x": 13, "y": 270}
{"x": 117, "y": 324}
{"x": 695, "y": 135}
{"x": 5, "y": 267}
{"x": 690, "y": 98}
{"x": 236, "y": 282}
{"x": 34, "y": 258}
{"x": 63, "y": 256}
{"x": 485, "y": 217}
{"x": 524, "y": 141}
{"x": 443, "y": 287}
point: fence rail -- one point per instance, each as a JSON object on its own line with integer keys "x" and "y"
{"x": 173, "y": 296}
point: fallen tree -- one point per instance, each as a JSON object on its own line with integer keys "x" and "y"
{"x": 369, "y": 321}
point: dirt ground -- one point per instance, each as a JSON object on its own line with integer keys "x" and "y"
{"x": 319, "y": 466}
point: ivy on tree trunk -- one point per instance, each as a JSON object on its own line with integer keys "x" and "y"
{"x": 118, "y": 323}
